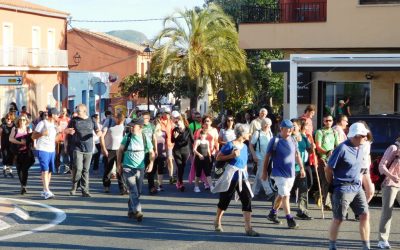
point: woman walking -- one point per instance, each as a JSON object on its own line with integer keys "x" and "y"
{"x": 45, "y": 133}
{"x": 183, "y": 139}
{"x": 227, "y": 134}
{"x": 21, "y": 136}
{"x": 6, "y": 154}
{"x": 212, "y": 138}
{"x": 235, "y": 179}
{"x": 390, "y": 167}
{"x": 159, "y": 165}
{"x": 202, "y": 154}
{"x": 258, "y": 148}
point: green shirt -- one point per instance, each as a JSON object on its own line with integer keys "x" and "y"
{"x": 328, "y": 139}
{"x": 193, "y": 126}
{"x": 302, "y": 145}
{"x": 133, "y": 157}
{"x": 148, "y": 130}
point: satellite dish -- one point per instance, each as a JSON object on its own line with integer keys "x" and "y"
{"x": 94, "y": 80}
{"x": 99, "y": 88}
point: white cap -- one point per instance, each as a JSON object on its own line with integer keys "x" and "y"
{"x": 175, "y": 114}
{"x": 357, "y": 129}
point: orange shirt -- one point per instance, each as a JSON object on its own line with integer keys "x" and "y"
{"x": 62, "y": 124}
{"x": 167, "y": 126}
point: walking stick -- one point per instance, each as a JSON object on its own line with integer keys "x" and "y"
{"x": 320, "y": 193}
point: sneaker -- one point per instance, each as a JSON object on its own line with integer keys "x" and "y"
{"x": 292, "y": 223}
{"x": 160, "y": 188}
{"x": 182, "y": 188}
{"x": 138, "y": 216}
{"x": 303, "y": 216}
{"x": 106, "y": 190}
{"x": 23, "y": 190}
{"x": 218, "y": 227}
{"x": 48, "y": 195}
{"x": 384, "y": 244}
{"x": 67, "y": 170}
{"x": 327, "y": 208}
{"x": 206, "y": 186}
{"x": 252, "y": 233}
{"x": 274, "y": 218}
{"x": 197, "y": 189}
{"x": 88, "y": 195}
{"x": 356, "y": 217}
{"x": 153, "y": 191}
{"x": 172, "y": 180}
{"x": 42, "y": 194}
{"x": 123, "y": 192}
{"x": 72, "y": 191}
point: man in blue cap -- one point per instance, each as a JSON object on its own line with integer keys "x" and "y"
{"x": 284, "y": 153}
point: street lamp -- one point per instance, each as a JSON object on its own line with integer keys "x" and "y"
{"x": 147, "y": 52}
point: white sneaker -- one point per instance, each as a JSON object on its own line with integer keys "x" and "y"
{"x": 384, "y": 244}
{"x": 48, "y": 195}
{"x": 197, "y": 189}
{"x": 42, "y": 194}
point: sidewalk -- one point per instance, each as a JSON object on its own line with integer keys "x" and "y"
{"x": 11, "y": 214}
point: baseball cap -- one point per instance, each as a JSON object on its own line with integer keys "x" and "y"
{"x": 175, "y": 114}
{"x": 286, "y": 124}
{"x": 136, "y": 121}
{"x": 357, "y": 129}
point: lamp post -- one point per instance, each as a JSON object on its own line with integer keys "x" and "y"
{"x": 147, "y": 51}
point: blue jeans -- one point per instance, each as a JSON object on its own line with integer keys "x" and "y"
{"x": 133, "y": 179}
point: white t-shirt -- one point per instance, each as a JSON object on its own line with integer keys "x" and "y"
{"x": 46, "y": 143}
{"x": 227, "y": 135}
{"x": 113, "y": 136}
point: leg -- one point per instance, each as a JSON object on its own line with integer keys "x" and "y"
{"x": 87, "y": 157}
{"x": 109, "y": 164}
{"x": 326, "y": 201}
{"x": 257, "y": 180}
{"x": 388, "y": 197}
{"x": 132, "y": 179}
{"x": 77, "y": 169}
{"x": 223, "y": 203}
{"x": 96, "y": 157}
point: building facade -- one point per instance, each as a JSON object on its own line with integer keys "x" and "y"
{"x": 99, "y": 53}
{"x": 33, "y": 55}
{"x": 340, "y": 49}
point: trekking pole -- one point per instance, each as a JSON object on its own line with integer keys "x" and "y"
{"x": 320, "y": 193}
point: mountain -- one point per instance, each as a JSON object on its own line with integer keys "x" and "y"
{"x": 130, "y": 36}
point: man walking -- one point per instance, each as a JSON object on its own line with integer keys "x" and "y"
{"x": 255, "y": 124}
{"x": 130, "y": 164}
{"x": 284, "y": 153}
{"x": 326, "y": 139}
{"x": 343, "y": 173}
{"x": 81, "y": 128}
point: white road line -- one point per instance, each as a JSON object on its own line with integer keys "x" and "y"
{"x": 60, "y": 217}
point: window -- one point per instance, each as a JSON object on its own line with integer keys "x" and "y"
{"x": 356, "y": 96}
{"x": 35, "y": 45}
{"x": 379, "y": 2}
{"x": 51, "y": 46}
{"x": 8, "y": 43}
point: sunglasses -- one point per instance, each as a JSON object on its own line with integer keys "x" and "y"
{"x": 328, "y": 121}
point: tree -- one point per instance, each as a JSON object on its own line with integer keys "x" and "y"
{"x": 268, "y": 85}
{"x": 160, "y": 86}
{"x": 202, "y": 45}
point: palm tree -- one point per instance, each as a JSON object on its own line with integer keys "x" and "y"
{"x": 201, "y": 44}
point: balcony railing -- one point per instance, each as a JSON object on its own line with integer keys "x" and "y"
{"x": 28, "y": 57}
{"x": 297, "y": 12}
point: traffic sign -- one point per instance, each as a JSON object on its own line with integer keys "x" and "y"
{"x": 99, "y": 88}
{"x": 60, "y": 92}
{"x": 11, "y": 80}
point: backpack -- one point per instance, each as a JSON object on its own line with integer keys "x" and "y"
{"x": 376, "y": 177}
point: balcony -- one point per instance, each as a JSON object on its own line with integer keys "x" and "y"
{"x": 36, "y": 58}
{"x": 296, "y": 12}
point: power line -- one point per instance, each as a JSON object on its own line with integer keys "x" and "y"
{"x": 119, "y": 21}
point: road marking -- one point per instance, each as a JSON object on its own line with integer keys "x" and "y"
{"x": 60, "y": 217}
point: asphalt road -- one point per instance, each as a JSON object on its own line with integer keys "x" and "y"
{"x": 172, "y": 220}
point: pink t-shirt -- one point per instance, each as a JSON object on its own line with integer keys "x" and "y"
{"x": 392, "y": 157}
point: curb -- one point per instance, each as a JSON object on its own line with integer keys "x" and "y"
{"x": 11, "y": 214}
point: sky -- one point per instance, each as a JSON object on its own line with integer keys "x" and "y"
{"x": 120, "y": 10}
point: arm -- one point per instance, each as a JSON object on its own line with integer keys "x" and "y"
{"x": 222, "y": 157}
{"x": 120, "y": 152}
{"x": 103, "y": 144}
{"x": 265, "y": 167}
{"x": 195, "y": 152}
{"x": 318, "y": 144}
{"x": 251, "y": 147}
{"x": 329, "y": 174}
{"x": 216, "y": 144}
{"x": 300, "y": 162}
{"x": 209, "y": 151}
{"x": 12, "y": 138}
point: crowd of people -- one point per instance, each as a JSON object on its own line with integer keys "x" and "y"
{"x": 285, "y": 161}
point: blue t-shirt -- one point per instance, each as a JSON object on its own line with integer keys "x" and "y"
{"x": 241, "y": 160}
{"x": 284, "y": 158}
{"x": 346, "y": 161}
